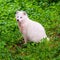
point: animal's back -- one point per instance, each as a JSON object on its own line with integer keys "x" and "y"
{"x": 35, "y": 31}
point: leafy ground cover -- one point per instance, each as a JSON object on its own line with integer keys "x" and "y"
{"x": 46, "y": 12}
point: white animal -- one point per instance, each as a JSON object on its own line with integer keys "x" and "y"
{"x": 31, "y": 30}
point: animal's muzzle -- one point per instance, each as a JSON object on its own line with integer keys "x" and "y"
{"x": 17, "y": 19}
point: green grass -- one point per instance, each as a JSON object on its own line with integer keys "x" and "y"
{"x": 48, "y": 14}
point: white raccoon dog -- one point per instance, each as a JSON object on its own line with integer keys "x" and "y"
{"x": 31, "y": 30}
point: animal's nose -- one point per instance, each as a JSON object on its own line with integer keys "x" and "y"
{"x": 17, "y": 19}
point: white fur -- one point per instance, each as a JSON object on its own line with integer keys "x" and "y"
{"x": 31, "y": 30}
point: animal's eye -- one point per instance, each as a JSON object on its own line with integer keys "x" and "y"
{"x": 20, "y": 17}
{"x": 17, "y": 16}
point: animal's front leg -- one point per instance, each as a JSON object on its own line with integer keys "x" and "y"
{"x": 25, "y": 39}
{"x": 23, "y": 29}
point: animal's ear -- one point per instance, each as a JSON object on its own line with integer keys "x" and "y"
{"x": 17, "y": 12}
{"x": 24, "y": 13}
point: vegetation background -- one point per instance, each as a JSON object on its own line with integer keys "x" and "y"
{"x": 46, "y": 12}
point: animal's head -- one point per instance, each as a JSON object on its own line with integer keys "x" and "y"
{"x": 21, "y": 15}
